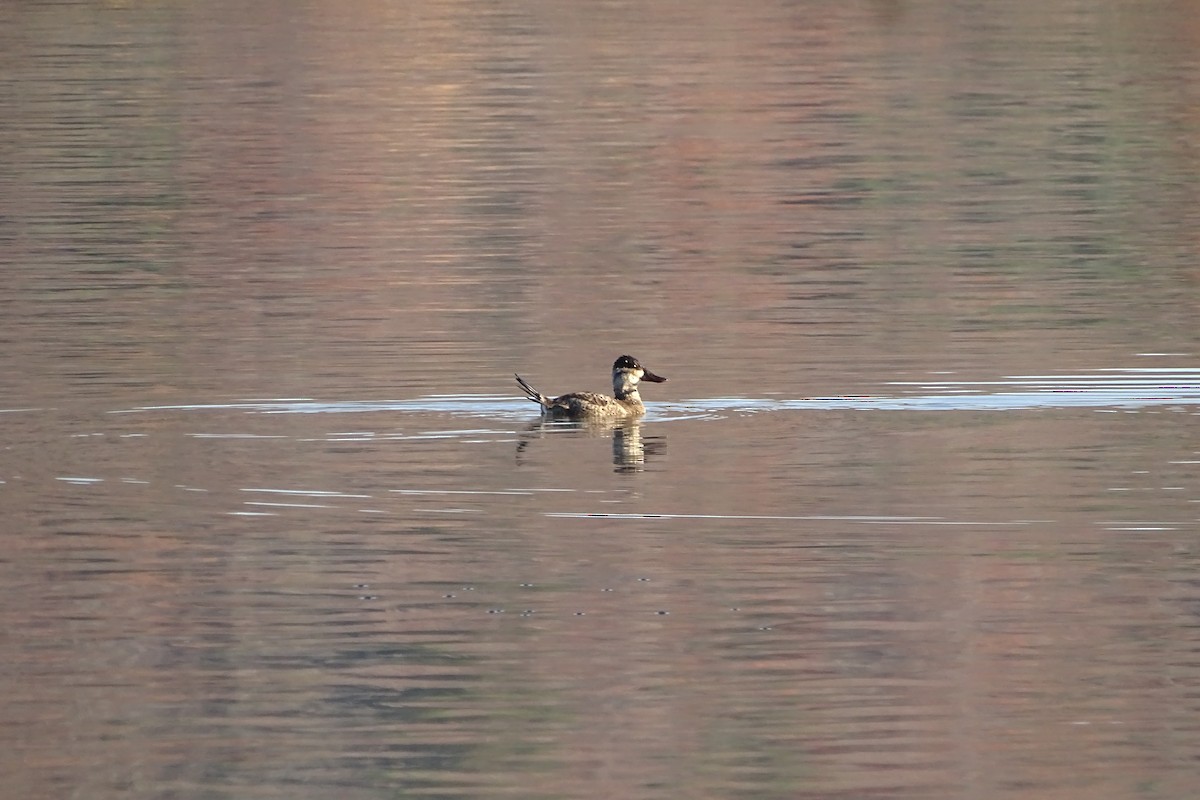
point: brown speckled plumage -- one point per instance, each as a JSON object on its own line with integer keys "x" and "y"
{"x": 626, "y": 402}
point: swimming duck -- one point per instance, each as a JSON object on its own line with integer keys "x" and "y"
{"x": 626, "y": 402}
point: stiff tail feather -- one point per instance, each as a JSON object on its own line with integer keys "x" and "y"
{"x": 530, "y": 392}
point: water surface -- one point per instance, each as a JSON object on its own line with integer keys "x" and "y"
{"x": 914, "y": 517}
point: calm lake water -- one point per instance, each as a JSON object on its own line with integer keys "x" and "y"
{"x": 915, "y": 516}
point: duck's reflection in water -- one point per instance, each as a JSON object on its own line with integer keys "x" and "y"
{"x": 630, "y": 447}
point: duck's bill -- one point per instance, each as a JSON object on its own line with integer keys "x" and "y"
{"x": 647, "y": 375}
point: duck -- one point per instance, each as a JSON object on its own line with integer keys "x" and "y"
{"x": 627, "y": 372}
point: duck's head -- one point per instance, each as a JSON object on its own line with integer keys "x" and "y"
{"x": 627, "y": 373}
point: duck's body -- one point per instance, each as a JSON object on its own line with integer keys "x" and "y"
{"x": 626, "y": 402}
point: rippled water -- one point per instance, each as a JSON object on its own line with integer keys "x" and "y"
{"x": 915, "y": 515}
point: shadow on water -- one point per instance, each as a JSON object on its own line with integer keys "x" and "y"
{"x": 630, "y": 446}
